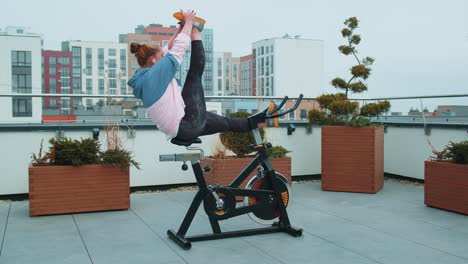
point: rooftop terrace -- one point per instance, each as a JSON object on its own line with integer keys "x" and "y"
{"x": 392, "y": 226}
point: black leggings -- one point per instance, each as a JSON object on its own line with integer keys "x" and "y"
{"x": 197, "y": 121}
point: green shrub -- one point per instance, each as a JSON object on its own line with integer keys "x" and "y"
{"x": 277, "y": 152}
{"x": 72, "y": 152}
{"x": 239, "y": 142}
{"x": 458, "y": 152}
{"x": 66, "y": 151}
{"x": 118, "y": 156}
{"x": 454, "y": 151}
{"x": 338, "y": 109}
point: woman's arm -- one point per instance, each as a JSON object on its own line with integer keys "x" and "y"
{"x": 171, "y": 40}
{"x": 189, "y": 17}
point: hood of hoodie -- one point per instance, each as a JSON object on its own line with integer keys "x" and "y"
{"x": 136, "y": 82}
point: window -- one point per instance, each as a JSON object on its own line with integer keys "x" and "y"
{"x": 89, "y": 52}
{"x": 165, "y": 42}
{"x": 271, "y": 63}
{"x": 76, "y": 72}
{"x": 112, "y": 73}
{"x": 112, "y": 63}
{"x": 101, "y": 86}
{"x": 89, "y": 86}
{"x": 123, "y": 86}
{"x": 22, "y": 83}
{"x": 291, "y": 115}
{"x": 65, "y": 72}
{"x": 52, "y": 70}
{"x": 64, "y": 60}
{"x": 76, "y": 51}
{"x": 65, "y": 82}
{"x": 100, "y": 53}
{"x": 112, "y": 83}
{"x": 234, "y": 71}
{"x": 112, "y": 52}
{"x": 22, "y": 107}
{"x": 220, "y": 67}
{"x": 303, "y": 114}
{"x": 20, "y": 58}
{"x": 228, "y": 86}
{"x": 220, "y": 85}
{"x": 52, "y": 60}
{"x": 52, "y": 85}
{"x": 76, "y": 84}
{"x": 77, "y": 62}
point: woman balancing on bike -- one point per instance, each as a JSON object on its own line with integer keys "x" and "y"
{"x": 178, "y": 112}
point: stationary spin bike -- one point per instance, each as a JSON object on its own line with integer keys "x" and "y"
{"x": 265, "y": 196}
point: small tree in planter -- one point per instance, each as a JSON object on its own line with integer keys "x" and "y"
{"x": 75, "y": 176}
{"x": 344, "y": 167}
{"x": 446, "y": 178}
{"x": 224, "y": 170}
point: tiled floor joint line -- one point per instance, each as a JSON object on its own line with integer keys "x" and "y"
{"x": 4, "y": 231}
{"x": 167, "y": 244}
{"x": 82, "y": 240}
{"x": 340, "y": 246}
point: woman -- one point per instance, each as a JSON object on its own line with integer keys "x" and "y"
{"x": 178, "y": 113}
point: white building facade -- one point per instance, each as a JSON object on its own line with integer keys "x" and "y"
{"x": 288, "y": 66}
{"x": 226, "y": 74}
{"x": 98, "y": 68}
{"x": 20, "y": 73}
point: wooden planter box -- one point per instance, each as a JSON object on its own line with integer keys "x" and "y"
{"x": 68, "y": 189}
{"x": 223, "y": 171}
{"x": 352, "y": 159}
{"x": 446, "y": 186}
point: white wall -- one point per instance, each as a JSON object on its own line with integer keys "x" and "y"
{"x": 407, "y": 148}
{"x": 20, "y": 43}
{"x": 405, "y": 152}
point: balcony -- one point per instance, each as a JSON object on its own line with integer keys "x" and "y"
{"x": 392, "y": 226}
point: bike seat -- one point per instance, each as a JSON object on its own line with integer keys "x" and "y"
{"x": 180, "y": 142}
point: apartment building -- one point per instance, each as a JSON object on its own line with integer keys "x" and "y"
{"x": 97, "y": 68}
{"x": 20, "y": 73}
{"x": 57, "y": 79}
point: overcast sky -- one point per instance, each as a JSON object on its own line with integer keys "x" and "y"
{"x": 420, "y": 47}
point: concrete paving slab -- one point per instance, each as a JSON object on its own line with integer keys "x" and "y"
{"x": 116, "y": 237}
{"x": 44, "y": 239}
{"x": 369, "y": 242}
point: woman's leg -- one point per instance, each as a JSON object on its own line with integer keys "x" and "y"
{"x": 193, "y": 122}
{"x": 197, "y": 121}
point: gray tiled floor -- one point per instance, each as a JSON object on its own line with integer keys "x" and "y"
{"x": 392, "y": 226}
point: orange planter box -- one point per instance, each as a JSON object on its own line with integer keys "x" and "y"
{"x": 352, "y": 159}
{"x": 446, "y": 186}
{"x": 224, "y": 171}
{"x": 68, "y": 189}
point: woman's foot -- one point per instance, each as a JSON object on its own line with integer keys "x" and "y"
{"x": 198, "y": 23}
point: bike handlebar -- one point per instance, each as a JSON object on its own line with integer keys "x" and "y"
{"x": 282, "y": 104}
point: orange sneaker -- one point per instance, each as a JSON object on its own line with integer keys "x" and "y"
{"x": 198, "y": 23}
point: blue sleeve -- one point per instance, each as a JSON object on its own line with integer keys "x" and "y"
{"x": 157, "y": 78}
